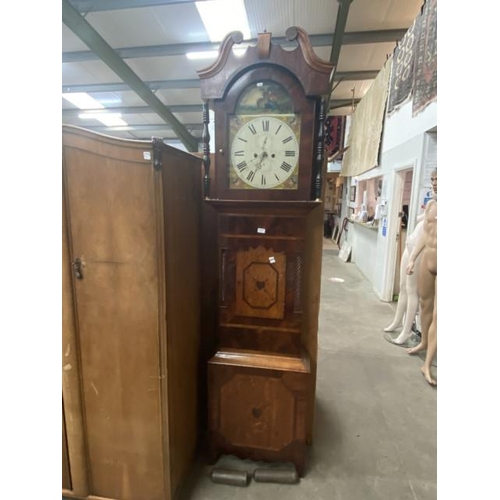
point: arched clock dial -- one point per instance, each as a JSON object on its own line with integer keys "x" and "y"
{"x": 265, "y": 152}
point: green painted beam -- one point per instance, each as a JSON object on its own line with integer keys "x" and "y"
{"x": 340, "y": 24}
{"x": 179, "y": 108}
{"x": 103, "y": 5}
{"x": 96, "y": 43}
{"x": 133, "y": 110}
{"x": 176, "y": 49}
{"x": 192, "y": 84}
{"x": 342, "y": 103}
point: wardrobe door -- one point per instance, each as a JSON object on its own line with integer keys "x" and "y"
{"x": 73, "y": 426}
{"x": 110, "y": 196}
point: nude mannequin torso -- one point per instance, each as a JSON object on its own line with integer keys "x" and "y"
{"x": 427, "y": 284}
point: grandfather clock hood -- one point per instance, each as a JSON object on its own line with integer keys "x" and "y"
{"x": 312, "y": 72}
{"x": 269, "y": 109}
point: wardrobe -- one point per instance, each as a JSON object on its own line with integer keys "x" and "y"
{"x": 130, "y": 316}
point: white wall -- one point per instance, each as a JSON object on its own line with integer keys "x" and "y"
{"x": 406, "y": 155}
{"x": 402, "y": 126}
{"x": 363, "y": 237}
{"x": 405, "y": 144}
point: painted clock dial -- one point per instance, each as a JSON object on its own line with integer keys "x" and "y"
{"x": 264, "y": 152}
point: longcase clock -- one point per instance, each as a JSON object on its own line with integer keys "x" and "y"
{"x": 264, "y": 226}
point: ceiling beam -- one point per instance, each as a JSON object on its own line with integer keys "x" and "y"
{"x": 85, "y": 6}
{"x": 192, "y": 84}
{"x": 378, "y": 36}
{"x": 177, "y": 49}
{"x": 96, "y": 43}
{"x": 180, "y": 108}
{"x": 342, "y": 103}
{"x": 342, "y": 13}
{"x": 120, "y": 87}
{"x": 134, "y": 110}
{"x": 347, "y": 76}
{"x": 353, "y": 38}
{"x": 153, "y": 126}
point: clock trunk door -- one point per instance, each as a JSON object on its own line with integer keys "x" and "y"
{"x": 261, "y": 262}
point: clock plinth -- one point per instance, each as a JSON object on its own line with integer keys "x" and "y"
{"x": 258, "y": 406}
{"x": 268, "y": 221}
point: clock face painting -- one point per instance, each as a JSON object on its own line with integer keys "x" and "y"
{"x": 264, "y": 151}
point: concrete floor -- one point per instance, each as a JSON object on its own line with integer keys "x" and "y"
{"x": 375, "y": 417}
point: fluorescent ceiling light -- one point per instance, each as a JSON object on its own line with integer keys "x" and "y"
{"x": 239, "y": 51}
{"x": 223, "y": 16}
{"x": 207, "y": 54}
{"x": 212, "y": 54}
{"x": 83, "y": 101}
{"x": 108, "y": 119}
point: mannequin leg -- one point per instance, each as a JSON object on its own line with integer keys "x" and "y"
{"x": 400, "y": 311}
{"x": 431, "y": 344}
{"x": 418, "y": 323}
{"x": 403, "y": 297}
{"x": 426, "y": 292}
{"x": 411, "y": 308}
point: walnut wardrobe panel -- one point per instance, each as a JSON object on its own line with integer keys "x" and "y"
{"x": 131, "y": 322}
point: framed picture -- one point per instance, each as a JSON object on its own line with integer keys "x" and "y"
{"x": 352, "y": 194}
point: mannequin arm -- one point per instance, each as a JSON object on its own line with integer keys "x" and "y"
{"x": 417, "y": 250}
{"x": 420, "y": 217}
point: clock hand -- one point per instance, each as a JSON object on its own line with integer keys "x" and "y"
{"x": 262, "y": 156}
{"x": 255, "y": 157}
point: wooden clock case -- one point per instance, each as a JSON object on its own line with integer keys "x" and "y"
{"x": 262, "y": 265}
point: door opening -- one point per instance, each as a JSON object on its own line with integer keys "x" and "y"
{"x": 402, "y": 197}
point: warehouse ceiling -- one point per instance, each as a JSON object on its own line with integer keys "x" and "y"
{"x": 130, "y": 56}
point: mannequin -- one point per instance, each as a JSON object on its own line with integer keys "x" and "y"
{"x": 427, "y": 283}
{"x": 408, "y": 295}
